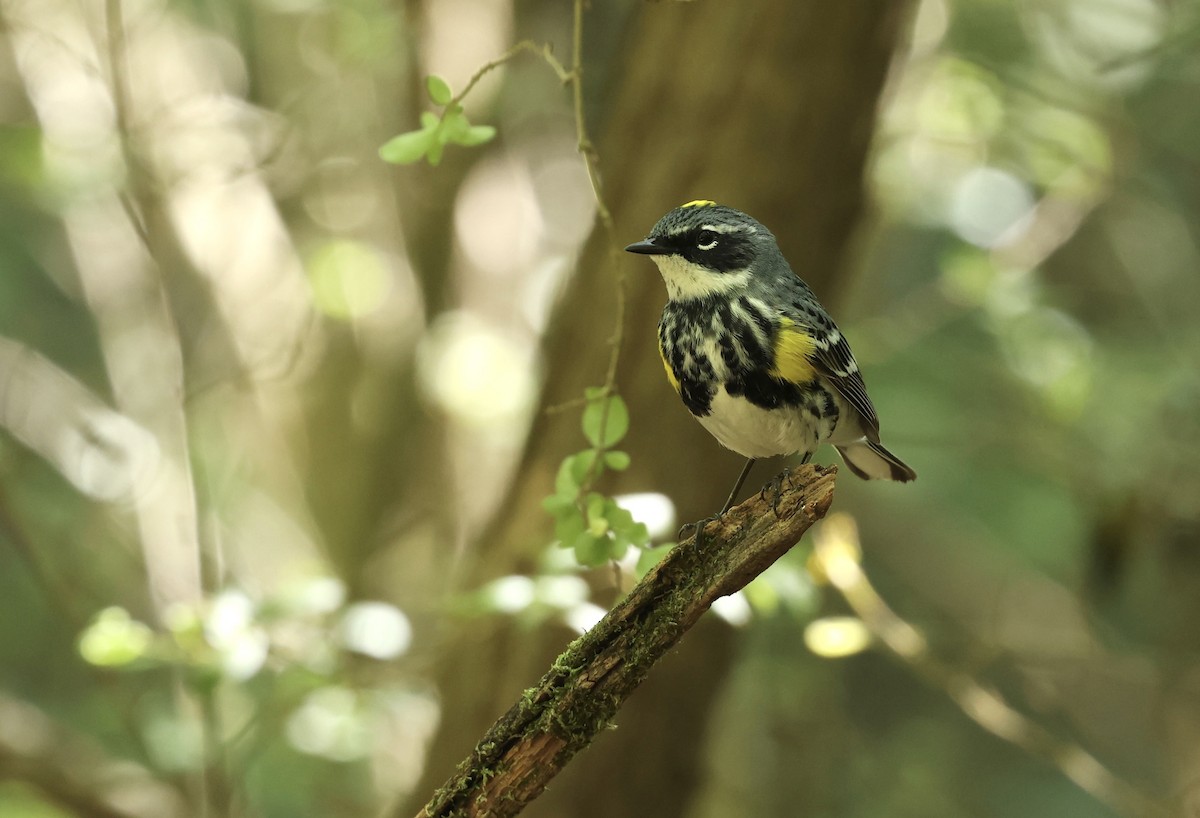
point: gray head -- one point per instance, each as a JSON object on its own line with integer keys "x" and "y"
{"x": 703, "y": 248}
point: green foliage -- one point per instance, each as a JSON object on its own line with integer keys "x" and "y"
{"x": 605, "y": 421}
{"x": 229, "y": 640}
{"x": 593, "y": 525}
{"x": 436, "y": 132}
{"x": 439, "y": 89}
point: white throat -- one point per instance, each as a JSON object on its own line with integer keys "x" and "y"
{"x": 686, "y": 280}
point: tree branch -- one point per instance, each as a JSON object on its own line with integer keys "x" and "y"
{"x": 590, "y": 681}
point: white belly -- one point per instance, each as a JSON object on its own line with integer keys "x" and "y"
{"x": 752, "y": 431}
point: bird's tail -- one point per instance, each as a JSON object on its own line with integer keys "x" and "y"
{"x": 870, "y": 461}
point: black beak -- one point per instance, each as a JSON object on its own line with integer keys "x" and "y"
{"x": 649, "y": 248}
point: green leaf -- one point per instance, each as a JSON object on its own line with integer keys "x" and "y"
{"x": 454, "y": 127}
{"x": 566, "y": 483}
{"x": 618, "y": 518}
{"x": 557, "y": 504}
{"x": 617, "y": 461}
{"x": 435, "y": 153}
{"x": 407, "y": 147}
{"x": 618, "y": 420}
{"x": 591, "y": 550}
{"x": 439, "y": 89}
{"x": 476, "y": 135}
{"x": 581, "y": 464}
{"x": 615, "y": 421}
{"x": 597, "y": 519}
{"x": 624, "y": 526}
{"x": 617, "y": 546}
{"x": 638, "y": 534}
{"x": 568, "y": 527}
{"x": 430, "y": 120}
{"x": 597, "y": 504}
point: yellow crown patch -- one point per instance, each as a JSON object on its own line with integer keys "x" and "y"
{"x": 699, "y": 203}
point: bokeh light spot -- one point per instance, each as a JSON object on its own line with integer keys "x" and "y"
{"x": 376, "y": 629}
{"x": 474, "y": 373}
{"x": 330, "y": 724}
{"x": 834, "y": 637}
{"x": 990, "y": 207}
{"x": 347, "y": 278}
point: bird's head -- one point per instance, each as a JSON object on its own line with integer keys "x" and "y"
{"x": 702, "y": 248}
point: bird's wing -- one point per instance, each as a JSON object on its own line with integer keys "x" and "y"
{"x": 834, "y": 360}
{"x": 802, "y": 351}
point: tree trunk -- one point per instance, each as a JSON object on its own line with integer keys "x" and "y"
{"x": 770, "y": 110}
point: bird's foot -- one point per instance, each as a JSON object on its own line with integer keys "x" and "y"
{"x": 775, "y": 486}
{"x": 698, "y": 528}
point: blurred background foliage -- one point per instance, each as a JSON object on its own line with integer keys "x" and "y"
{"x": 275, "y": 414}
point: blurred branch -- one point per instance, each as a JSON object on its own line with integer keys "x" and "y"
{"x": 588, "y": 683}
{"x": 591, "y": 160}
{"x": 74, "y": 772}
{"x": 542, "y": 50}
{"x": 837, "y": 553}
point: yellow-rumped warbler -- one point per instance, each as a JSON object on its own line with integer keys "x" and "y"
{"x": 755, "y": 358}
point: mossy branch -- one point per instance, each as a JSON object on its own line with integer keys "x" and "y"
{"x": 591, "y": 679}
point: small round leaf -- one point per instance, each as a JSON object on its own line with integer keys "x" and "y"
{"x": 439, "y": 89}
{"x": 604, "y": 427}
{"x": 476, "y": 135}
{"x": 454, "y": 127}
{"x": 617, "y": 461}
{"x": 638, "y": 534}
{"x": 591, "y": 550}
{"x": 556, "y": 504}
{"x": 566, "y": 482}
{"x": 581, "y": 466}
{"x": 568, "y": 527}
{"x": 407, "y": 147}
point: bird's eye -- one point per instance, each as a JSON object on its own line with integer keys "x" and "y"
{"x": 707, "y": 240}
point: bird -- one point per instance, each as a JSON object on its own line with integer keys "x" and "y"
{"x": 752, "y": 353}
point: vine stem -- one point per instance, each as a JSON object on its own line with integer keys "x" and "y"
{"x": 591, "y": 161}
{"x": 573, "y": 77}
{"x": 542, "y": 50}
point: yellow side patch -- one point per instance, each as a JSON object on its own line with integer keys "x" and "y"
{"x": 699, "y": 203}
{"x": 793, "y": 354}
{"x": 670, "y": 373}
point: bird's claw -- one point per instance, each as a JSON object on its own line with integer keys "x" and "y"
{"x": 775, "y": 484}
{"x": 697, "y": 529}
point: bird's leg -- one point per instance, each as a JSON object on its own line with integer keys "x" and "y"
{"x": 737, "y": 486}
{"x": 776, "y": 484}
{"x": 700, "y": 524}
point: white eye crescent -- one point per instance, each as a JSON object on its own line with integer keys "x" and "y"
{"x": 707, "y": 240}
